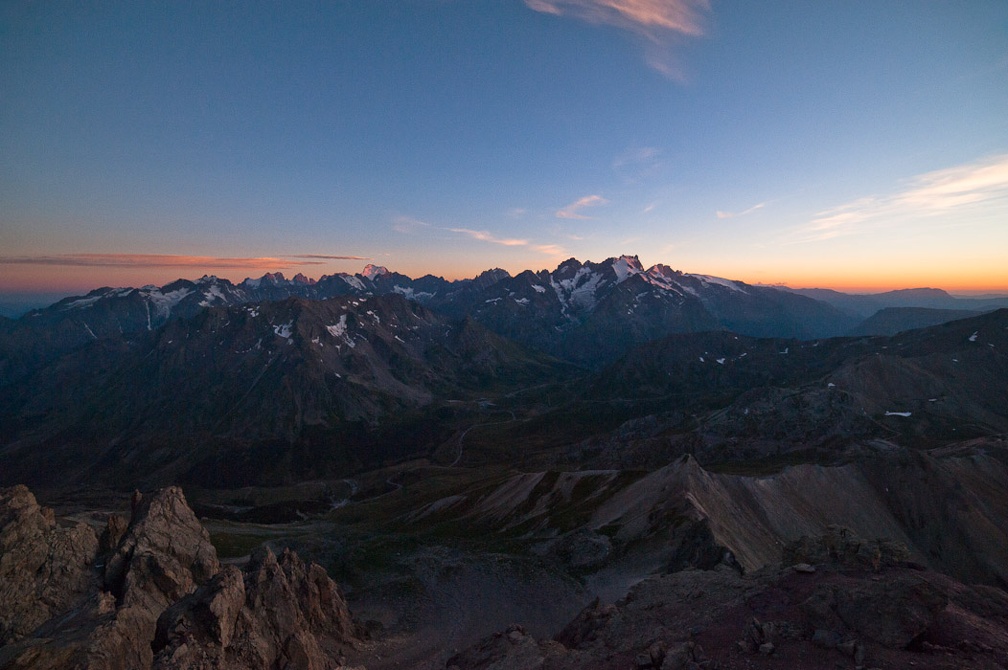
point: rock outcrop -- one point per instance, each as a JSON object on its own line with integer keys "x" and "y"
{"x": 274, "y": 613}
{"x": 44, "y": 567}
{"x": 153, "y": 595}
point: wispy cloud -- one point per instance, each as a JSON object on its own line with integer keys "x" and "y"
{"x": 637, "y": 163}
{"x": 636, "y": 156}
{"x": 484, "y": 236}
{"x": 658, "y": 22}
{"x": 407, "y": 224}
{"x": 551, "y": 250}
{"x": 975, "y": 184}
{"x": 324, "y": 257}
{"x": 731, "y": 215}
{"x": 571, "y": 211}
{"x": 173, "y": 261}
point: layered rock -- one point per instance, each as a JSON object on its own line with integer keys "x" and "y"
{"x": 71, "y": 600}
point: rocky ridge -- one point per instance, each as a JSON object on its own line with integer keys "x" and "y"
{"x": 151, "y": 593}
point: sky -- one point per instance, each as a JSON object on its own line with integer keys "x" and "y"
{"x": 852, "y": 144}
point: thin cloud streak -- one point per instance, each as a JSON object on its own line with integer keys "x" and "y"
{"x": 484, "y": 236}
{"x": 571, "y": 210}
{"x": 658, "y": 22}
{"x": 328, "y": 258}
{"x": 641, "y": 16}
{"x": 927, "y": 195}
{"x": 406, "y": 224}
{"x": 172, "y": 261}
{"x": 731, "y": 215}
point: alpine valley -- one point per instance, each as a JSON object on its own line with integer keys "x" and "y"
{"x": 599, "y": 466}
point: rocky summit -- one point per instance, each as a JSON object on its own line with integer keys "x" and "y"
{"x": 152, "y": 594}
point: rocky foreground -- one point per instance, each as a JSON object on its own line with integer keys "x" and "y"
{"x": 838, "y": 601}
{"x": 151, "y": 593}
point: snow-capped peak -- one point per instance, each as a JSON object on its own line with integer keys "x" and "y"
{"x": 372, "y": 271}
{"x": 625, "y": 266}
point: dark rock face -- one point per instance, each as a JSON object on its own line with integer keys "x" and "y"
{"x": 862, "y": 604}
{"x": 43, "y": 567}
{"x": 162, "y": 592}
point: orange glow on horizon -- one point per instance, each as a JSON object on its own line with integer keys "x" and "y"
{"x": 86, "y": 273}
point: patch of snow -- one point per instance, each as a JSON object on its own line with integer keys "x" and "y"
{"x": 830, "y": 385}
{"x": 84, "y": 302}
{"x": 492, "y": 300}
{"x": 211, "y": 294}
{"x": 354, "y": 282}
{"x": 932, "y": 399}
{"x": 339, "y": 330}
{"x": 284, "y": 330}
{"x": 522, "y": 301}
{"x": 578, "y": 290}
{"x": 702, "y": 360}
{"x": 410, "y": 294}
{"x": 897, "y": 413}
{"x": 727, "y": 283}
{"x": 89, "y": 331}
{"x": 164, "y": 303}
{"x": 973, "y": 337}
{"x": 538, "y": 289}
{"x": 374, "y": 316}
{"x": 786, "y": 350}
{"x": 720, "y": 361}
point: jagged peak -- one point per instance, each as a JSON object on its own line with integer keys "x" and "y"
{"x": 491, "y": 277}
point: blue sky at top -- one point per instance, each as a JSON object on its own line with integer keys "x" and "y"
{"x": 854, "y": 144}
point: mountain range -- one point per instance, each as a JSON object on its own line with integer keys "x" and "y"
{"x": 587, "y": 313}
{"x": 277, "y": 380}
